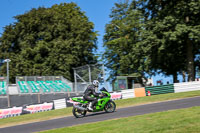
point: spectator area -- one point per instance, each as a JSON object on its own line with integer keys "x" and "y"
{"x": 48, "y": 86}
{"x": 3, "y": 86}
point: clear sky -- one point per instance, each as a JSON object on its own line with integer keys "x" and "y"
{"x": 97, "y": 10}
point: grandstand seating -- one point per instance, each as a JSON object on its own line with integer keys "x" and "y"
{"x": 43, "y": 86}
{"x": 64, "y": 86}
{"x": 23, "y": 87}
{"x": 34, "y": 87}
{"x": 54, "y": 86}
{"x": 3, "y": 85}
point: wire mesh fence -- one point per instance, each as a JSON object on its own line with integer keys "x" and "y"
{"x": 84, "y": 75}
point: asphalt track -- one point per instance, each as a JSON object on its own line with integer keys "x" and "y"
{"x": 94, "y": 117}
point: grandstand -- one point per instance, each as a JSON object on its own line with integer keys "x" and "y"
{"x": 43, "y": 84}
{"x": 3, "y": 86}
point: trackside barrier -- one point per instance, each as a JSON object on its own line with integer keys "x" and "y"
{"x": 39, "y": 107}
{"x": 116, "y": 96}
{"x": 129, "y": 93}
{"x": 140, "y": 92}
{"x": 60, "y": 103}
{"x": 163, "y": 89}
{"x": 187, "y": 86}
{"x": 10, "y": 112}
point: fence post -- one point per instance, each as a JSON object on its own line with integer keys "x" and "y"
{"x": 89, "y": 74}
{"x": 38, "y": 98}
{"x": 8, "y": 99}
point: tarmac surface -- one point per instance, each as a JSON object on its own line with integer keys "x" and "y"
{"x": 101, "y": 116}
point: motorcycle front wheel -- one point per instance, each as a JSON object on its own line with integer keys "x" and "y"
{"x": 78, "y": 113}
{"x": 110, "y": 107}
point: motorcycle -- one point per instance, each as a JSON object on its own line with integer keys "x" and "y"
{"x": 104, "y": 103}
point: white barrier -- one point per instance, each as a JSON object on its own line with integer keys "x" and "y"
{"x": 39, "y": 107}
{"x": 60, "y": 103}
{"x": 130, "y": 93}
{"x": 187, "y": 86}
{"x": 11, "y": 112}
{"x": 116, "y": 96}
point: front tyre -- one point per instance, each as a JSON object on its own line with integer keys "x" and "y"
{"x": 78, "y": 113}
{"x": 110, "y": 107}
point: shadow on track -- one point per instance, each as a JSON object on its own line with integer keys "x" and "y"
{"x": 97, "y": 113}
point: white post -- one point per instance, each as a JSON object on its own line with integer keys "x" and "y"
{"x": 75, "y": 81}
{"x": 104, "y": 77}
{"x": 8, "y": 97}
{"x": 90, "y": 79}
{"x": 7, "y": 61}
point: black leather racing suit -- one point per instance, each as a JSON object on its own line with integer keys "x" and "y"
{"x": 91, "y": 91}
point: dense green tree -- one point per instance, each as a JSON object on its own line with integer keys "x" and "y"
{"x": 49, "y": 41}
{"x": 153, "y": 36}
{"x": 123, "y": 33}
{"x": 172, "y": 31}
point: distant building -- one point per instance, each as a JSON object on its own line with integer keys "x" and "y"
{"x": 129, "y": 82}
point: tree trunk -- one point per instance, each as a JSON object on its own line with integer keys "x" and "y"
{"x": 175, "y": 79}
{"x": 183, "y": 74}
{"x": 190, "y": 61}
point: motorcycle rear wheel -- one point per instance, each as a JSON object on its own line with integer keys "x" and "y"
{"x": 110, "y": 107}
{"x": 78, "y": 113}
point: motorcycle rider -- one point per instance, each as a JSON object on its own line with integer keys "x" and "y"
{"x": 91, "y": 91}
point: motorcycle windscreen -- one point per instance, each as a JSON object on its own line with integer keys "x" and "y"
{"x": 103, "y": 89}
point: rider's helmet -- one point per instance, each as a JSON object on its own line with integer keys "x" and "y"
{"x": 95, "y": 83}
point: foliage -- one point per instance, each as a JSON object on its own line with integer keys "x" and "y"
{"x": 49, "y": 41}
{"x": 173, "y": 32}
{"x": 120, "y": 40}
{"x": 153, "y": 36}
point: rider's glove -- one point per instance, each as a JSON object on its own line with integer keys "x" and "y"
{"x": 101, "y": 95}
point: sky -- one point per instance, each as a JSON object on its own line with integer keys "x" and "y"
{"x": 97, "y": 11}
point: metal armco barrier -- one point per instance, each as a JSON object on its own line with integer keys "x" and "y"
{"x": 187, "y": 86}
{"x": 163, "y": 89}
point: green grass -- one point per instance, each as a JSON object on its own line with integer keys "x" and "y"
{"x": 155, "y": 98}
{"x": 67, "y": 112}
{"x": 179, "y": 121}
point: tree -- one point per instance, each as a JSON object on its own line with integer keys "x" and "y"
{"x": 153, "y": 36}
{"x": 122, "y": 54}
{"x": 173, "y": 30}
{"x": 49, "y": 41}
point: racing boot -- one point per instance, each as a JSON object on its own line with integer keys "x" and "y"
{"x": 90, "y": 107}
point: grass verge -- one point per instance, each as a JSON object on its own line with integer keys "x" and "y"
{"x": 67, "y": 111}
{"x": 179, "y": 121}
{"x": 155, "y": 98}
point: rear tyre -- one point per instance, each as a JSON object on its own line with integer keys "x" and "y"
{"x": 110, "y": 107}
{"x": 78, "y": 113}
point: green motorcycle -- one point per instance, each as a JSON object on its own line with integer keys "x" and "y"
{"x": 104, "y": 103}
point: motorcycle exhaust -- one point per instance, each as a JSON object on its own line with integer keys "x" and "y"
{"x": 80, "y": 108}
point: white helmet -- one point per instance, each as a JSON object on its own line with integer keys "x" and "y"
{"x": 95, "y": 83}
